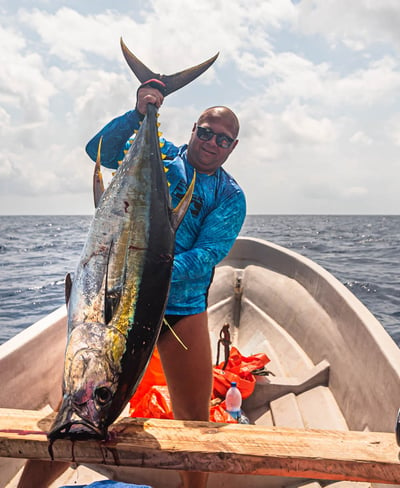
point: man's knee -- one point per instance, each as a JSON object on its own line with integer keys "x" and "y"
{"x": 192, "y": 412}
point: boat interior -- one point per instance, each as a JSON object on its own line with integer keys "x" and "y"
{"x": 332, "y": 366}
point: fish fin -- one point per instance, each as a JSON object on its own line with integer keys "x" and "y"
{"x": 111, "y": 301}
{"x": 98, "y": 184}
{"x": 68, "y": 286}
{"x": 180, "y": 210}
{"x": 171, "y": 82}
{"x": 111, "y": 297}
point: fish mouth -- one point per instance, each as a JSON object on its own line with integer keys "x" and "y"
{"x": 76, "y": 430}
{"x": 69, "y": 424}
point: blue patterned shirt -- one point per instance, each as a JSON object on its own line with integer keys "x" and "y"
{"x": 210, "y": 226}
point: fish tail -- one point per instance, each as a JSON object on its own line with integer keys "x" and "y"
{"x": 171, "y": 82}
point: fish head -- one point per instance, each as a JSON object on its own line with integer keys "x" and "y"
{"x": 89, "y": 390}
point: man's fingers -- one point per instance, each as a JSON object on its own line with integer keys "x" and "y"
{"x": 148, "y": 95}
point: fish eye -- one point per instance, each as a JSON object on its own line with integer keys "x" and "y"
{"x": 103, "y": 395}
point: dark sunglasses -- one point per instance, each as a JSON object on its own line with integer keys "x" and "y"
{"x": 222, "y": 140}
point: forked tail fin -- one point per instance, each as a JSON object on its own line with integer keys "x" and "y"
{"x": 171, "y": 82}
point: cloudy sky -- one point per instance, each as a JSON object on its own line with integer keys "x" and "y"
{"x": 315, "y": 84}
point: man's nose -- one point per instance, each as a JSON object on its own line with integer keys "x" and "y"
{"x": 213, "y": 140}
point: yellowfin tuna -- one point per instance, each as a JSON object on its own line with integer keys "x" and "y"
{"x": 117, "y": 298}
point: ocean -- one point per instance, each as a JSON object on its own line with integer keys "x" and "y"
{"x": 36, "y": 252}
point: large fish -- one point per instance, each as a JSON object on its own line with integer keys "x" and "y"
{"x": 117, "y": 298}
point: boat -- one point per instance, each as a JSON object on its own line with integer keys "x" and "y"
{"x": 332, "y": 365}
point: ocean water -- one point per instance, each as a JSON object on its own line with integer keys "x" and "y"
{"x": 36, "y": 252}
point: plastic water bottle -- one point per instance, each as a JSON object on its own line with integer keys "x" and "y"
{"x": 233, "y": 401}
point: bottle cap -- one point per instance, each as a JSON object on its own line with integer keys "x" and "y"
{"x": 233, "y": 383}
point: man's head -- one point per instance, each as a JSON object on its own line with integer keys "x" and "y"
{"x": 213, "y": 138}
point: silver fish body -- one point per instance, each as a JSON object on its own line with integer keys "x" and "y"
{"x": 118, "y": 296}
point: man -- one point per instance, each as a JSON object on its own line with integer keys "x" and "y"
{"x": 204, "y": 238}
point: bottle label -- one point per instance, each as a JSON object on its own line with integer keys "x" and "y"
{"x": 235, "y": 414}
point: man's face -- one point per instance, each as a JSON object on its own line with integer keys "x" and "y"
{"x": 208, "y": 156}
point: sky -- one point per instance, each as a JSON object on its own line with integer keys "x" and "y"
{"x": 315, "y": 84}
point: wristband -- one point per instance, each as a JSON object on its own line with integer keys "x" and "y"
{"x": 154, "y": 83}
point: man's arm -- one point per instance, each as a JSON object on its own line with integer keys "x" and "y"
{"x": 115, "y": 135}
{"x": 117, "y": 132}
{"x": 219, "y": 231}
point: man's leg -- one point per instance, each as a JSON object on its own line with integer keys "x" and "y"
{"x": 41, "y": 473}
{"x": 189, "y": 376}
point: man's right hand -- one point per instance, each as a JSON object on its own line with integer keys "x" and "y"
{"x": 146, "y": 95}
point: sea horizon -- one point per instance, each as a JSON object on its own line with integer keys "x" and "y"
{"x": 361, "y": 251}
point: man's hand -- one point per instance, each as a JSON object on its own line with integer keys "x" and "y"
{"x": 146, "y": 95}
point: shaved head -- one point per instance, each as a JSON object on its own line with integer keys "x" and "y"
{"x": 221, "y": 113}
{"x": 207, "y": 154}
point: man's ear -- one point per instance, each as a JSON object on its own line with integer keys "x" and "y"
{"x": 234, "y": 144}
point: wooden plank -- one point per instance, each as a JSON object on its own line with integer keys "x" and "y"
{"x": 210, "y": 447}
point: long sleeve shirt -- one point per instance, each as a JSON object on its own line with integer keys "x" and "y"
{"x": 210, "y": 226}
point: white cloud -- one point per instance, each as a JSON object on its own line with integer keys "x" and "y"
{"x": 314, "y": 84}
{"x": 360, "y": 137}
{"x": 393, "y": 129}
{"x": 375, "y": 84}
{"x": 355, "y": 192}
{"x": 288, "y": 76}
{"x": 357, "y": 24}
{"x": 306, "y": 128}
{"x": 25, "y": 91}
{"x": 70, "y": 36}
{"x": 6, "y": 168}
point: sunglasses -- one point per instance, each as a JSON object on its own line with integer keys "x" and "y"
{"x": 222, "y": 140}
